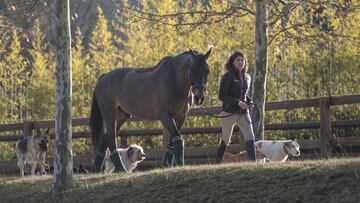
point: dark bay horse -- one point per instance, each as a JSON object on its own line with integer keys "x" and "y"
{"x": 164, "y": 92}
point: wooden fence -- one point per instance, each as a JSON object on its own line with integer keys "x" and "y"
{"x": 154, "y": 156}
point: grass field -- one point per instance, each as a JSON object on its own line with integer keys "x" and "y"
{"x": 332, "y": 180}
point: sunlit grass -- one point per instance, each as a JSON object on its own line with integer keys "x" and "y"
{"x": 331, "y": 180}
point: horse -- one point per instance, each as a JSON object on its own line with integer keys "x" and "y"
{"x": 164, "y": 92}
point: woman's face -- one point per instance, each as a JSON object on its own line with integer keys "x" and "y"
{"x": 239, "y": 62}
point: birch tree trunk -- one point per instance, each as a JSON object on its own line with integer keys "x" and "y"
{"x": 63, "y": 161}
{"x": 261, "y": 64}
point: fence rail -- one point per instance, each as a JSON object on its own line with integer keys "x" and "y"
{"x": 325, "y": 124}
{"x": 203, "y": 130}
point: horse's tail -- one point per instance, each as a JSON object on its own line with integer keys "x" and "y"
{"x": 96, "y": 123}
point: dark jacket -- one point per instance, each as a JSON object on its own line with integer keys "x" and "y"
{"x": 234, "y": 87}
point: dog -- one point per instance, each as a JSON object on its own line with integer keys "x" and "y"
{"x": 130, "y": 157}
{"x": 277, "y": 150}
{"x": 32, "y": 150}
{"x": 232, "y": 158}
{"x": 239, "y": 157}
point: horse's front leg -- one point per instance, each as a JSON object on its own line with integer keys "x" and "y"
{"x": 175, "y": 140}
{"x": 168, "y": 149}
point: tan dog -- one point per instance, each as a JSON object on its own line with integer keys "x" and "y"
{"x": 277, "y": 150}
{"x": 232, "y": 158}
{"x": 239, "y": 157}
{"x": 31, "y": 150}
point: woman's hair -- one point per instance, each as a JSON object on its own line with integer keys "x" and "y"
{"x": 230, "y": 63}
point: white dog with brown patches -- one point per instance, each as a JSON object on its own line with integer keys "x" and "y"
{"x": 277, "y": 150}
{"x": 130, "y": 157}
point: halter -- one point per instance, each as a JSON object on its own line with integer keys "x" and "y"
{"x": 198, "y": 86}
{"x": 191, "y": 82}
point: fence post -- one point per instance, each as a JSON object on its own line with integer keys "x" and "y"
{"x": 325, "y": 126}
{"x": 27, "y": 128}
{"x": 123, "y": 141}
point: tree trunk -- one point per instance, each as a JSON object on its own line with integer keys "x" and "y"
{"x": 261, "y": 65}
{"x": 63, "y": 161}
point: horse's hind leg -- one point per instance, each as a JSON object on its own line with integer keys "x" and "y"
{"x": 121, "y": 117}
{"x": 108, "y": 116}
{"x": 114, "y": 121}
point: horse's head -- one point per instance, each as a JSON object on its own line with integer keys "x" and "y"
{"x": 198, "y": 75}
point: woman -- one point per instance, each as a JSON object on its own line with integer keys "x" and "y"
{"x": 234, "y": 89}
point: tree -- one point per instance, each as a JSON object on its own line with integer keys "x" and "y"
{"x": 63, "y": 161}
{"x": 101, "y": 47}
{"x": 3, "y": 82}
{"x": 261, "y": 65}
{"x": 41, "y": 81}
{"x": 305, "y": 15}
{"x": 14, "y": 76}
{"x": 80, "y": 75}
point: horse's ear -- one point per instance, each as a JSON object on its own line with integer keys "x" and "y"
{"x": 193, "y": 54}
{"x": 47, "y": 131}
{"x": 208, "y": 53}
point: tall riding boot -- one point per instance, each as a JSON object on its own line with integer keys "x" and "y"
{"x": 116, "y": 159}
{"x": 169, "y": 156}
{"x": 178, "y": 151}
{"x": 250, "y": 149}
{"x": 221, "y": 151}
{"x": 98, "y": 162}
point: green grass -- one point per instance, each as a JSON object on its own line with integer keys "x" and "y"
{"x": 333, "y": 180}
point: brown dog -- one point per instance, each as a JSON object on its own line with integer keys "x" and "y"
{"x": 239, "y": 157}
{"x": 231, "y": 158}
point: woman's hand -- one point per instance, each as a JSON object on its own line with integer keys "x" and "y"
{"x": 243, "y": 105}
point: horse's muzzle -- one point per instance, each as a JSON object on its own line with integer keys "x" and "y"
{"x": 198, "y": 101}
{"x": 199, "y": 94}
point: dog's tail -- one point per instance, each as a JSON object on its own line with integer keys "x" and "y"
{"x": 96, "y": 124}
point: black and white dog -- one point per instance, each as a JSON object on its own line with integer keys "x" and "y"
{"x": 130, "y": 157}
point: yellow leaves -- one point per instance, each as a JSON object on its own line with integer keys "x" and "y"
{"x": 13, "y": 75}
{"x": 143, "y": 43}
{"x": 101, "y": 46}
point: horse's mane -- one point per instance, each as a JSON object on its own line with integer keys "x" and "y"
{"x": 149, "y": 69}
{"x": 166, "y": 59}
